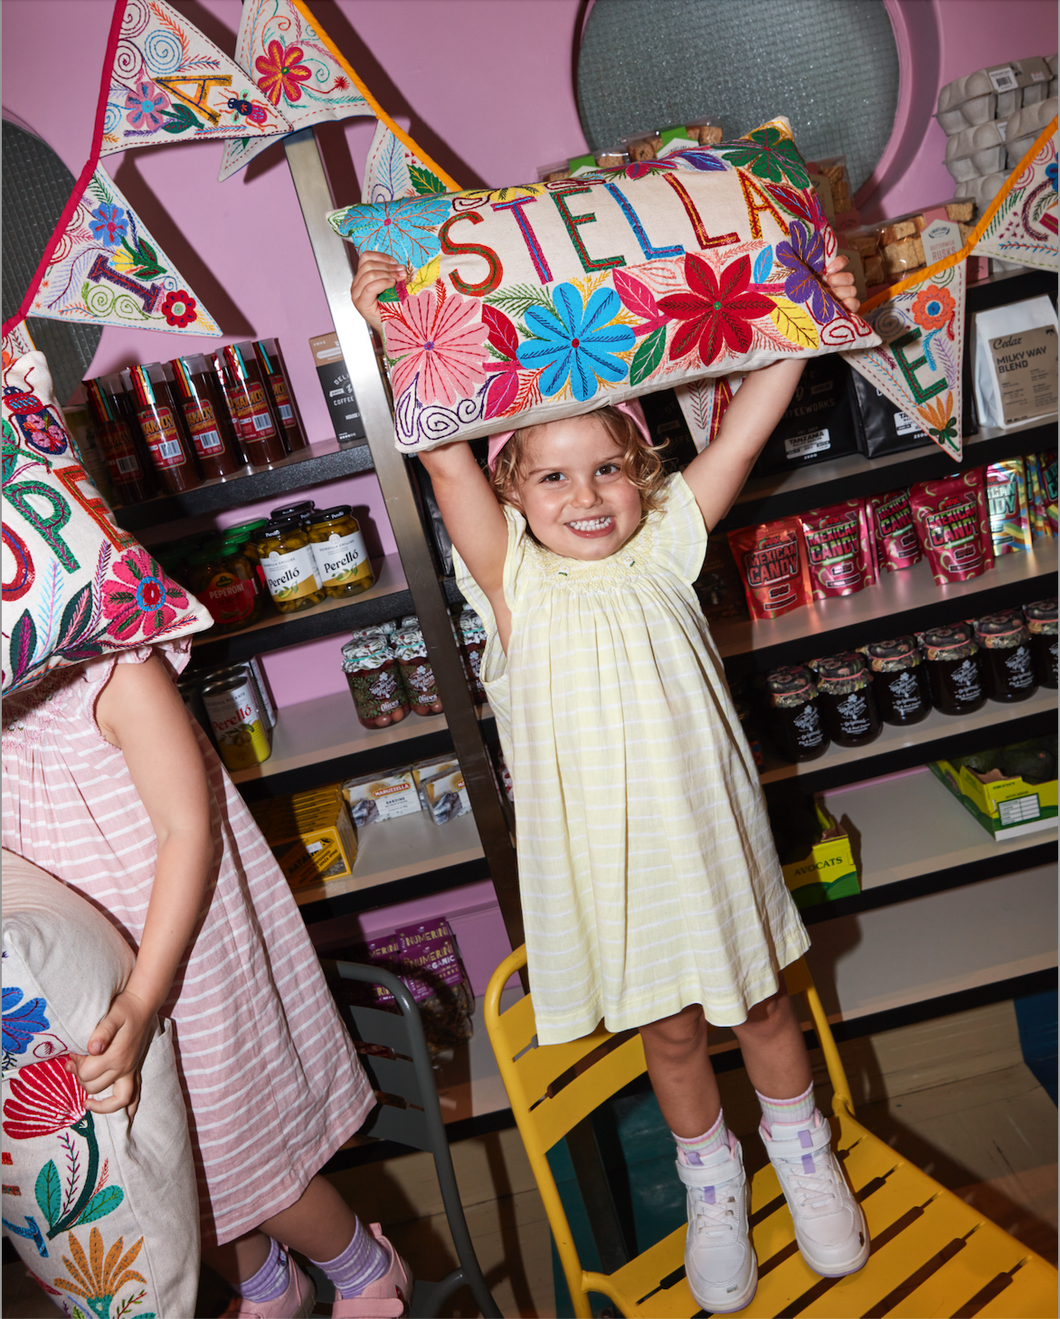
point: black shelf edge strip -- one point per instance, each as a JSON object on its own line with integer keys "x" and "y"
{"x": 423, "y": 885}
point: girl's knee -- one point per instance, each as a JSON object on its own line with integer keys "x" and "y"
{"x": 682, "y": 1030}
{"x": 767, "y": 1015}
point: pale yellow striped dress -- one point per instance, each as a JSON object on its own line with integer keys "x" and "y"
{"x": 647, "y": 868}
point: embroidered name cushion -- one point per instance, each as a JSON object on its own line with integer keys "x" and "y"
{"x": 532, "y": 303}
{"x": 74, "y": 584}
{"x": 104, "y": 1214}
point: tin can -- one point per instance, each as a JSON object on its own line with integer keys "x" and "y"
{"x": 250, "y": 670}
{"x": 243, "y": 738}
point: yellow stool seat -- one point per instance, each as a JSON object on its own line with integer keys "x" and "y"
{"x": 931, "y": 1253}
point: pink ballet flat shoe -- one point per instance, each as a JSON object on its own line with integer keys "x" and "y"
{"x": 387, "y": 1297}
{"x": 296, "y": 1303}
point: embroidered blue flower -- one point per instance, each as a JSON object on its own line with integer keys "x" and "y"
{"x": 1050, "y": 174}
{"x": 576, "y": 342}
{"x": 108, "y": 224}
{"x": 406, "y": 229}
{"x": 22, "y": 1020}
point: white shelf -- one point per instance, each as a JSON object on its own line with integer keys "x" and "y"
{"x": 894, "y": 738}
{"x": 399, "y": 849}
{"x": 897, "y": 592}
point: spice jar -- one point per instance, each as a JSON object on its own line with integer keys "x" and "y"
{"x": 226, "y": 581}
{"x": 416, "y": 672}
{"x": 954, "y": 669}
{"x": 261, "y": 437}
{"x": 267, "y": 352}
{"x": 473, "y": 644}
{"x": 206, "y": 417}
{"x": 372, "y": 672}
{"x": 1005, "y": 648}
{"x": 128, "y": 476}
{"x": 156, "y": 415}
{"x": 342, "y": 560}
{"x": 795, "y": 714}
{"x": 289, "y": 567}
{"x": 844, "y": 690}
{"x": 899, "y": 681}
{"x": 1041, "y": 622}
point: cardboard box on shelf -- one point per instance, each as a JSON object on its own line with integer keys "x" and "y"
{"x": 1006, "y": 806}
{"x": 827, "y": 871}
{"x": 343, "y": 408}
{"x": 311, "y": 835}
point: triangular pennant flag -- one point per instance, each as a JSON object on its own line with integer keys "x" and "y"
{"x": 393, "y": 170}
{"x": 918, "y": 365}
{"x": 167, "y": 82}
{"x": 1021, "y": 223}
{"x": 703, "y": 404}
{"x": 108, "y": 270}
{"x": 17, "y": 342}
{"x": 316, "y": 85}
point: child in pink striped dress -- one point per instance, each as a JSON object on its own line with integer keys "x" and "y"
{"x": 113, "y": 789}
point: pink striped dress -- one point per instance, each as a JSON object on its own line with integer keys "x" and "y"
{"x": 272, "y": 1082}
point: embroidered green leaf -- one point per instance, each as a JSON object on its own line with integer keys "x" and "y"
{"x": 181, "y": 119}
{"x": 795, "y": 323}
{"x": 517, "y": 300}
{"x": 23, "y": 645}
{"x": 648, "y": 356}
{"x": 49, "y": 1192}
{"x": 146, "y": 258}
{"x": 103, "y": 1202}
{"x": 424, "y": 181}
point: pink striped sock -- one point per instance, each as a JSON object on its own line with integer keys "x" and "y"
{"x": 270, "y": 1281}
{"x": 787, "y": 1111}
{"x": 693, "y": 1149}
{"x": 362, "y": 1262}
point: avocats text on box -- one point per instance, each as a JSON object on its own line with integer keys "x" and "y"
{"x": 824, "y": 870}
{"x": 1011, "y": 791}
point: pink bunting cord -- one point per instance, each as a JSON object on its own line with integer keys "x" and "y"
{"x": 82, "y": 183}
{"x": 630, "y": 406}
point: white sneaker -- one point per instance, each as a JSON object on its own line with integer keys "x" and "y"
{"x": 719, "y": 1258}
{"x": 829, "y": 1225}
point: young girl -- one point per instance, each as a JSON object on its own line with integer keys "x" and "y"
{"x": 112, "y": 788}
{"x": 651, "y": 891}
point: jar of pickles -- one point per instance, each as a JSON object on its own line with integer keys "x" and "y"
{"x": 1041, "y": 623}
{"x": 844, "y": 690}
{"x": 289, "y": 566}
{"x": 226, "y": 581}
{"x": 343, "y": 566}
{"x": 416, "y": 672}
{"x": 795, "y": 714}
{"x": 899, "y": 681}
{"x": 1005, "y": 647}
{"x": 376, "y": 686}
{"x": 954, "y": 669}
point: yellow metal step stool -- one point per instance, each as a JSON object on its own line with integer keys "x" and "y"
{"x": 931, "y": 1253}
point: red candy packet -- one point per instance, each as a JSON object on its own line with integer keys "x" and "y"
{"x": 772, "y": 563}
{"x": 838, "y": 549}
{"x": 953, "y": 525}
{"x": 893, "y": 531}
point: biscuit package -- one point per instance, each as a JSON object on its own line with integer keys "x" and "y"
{"x": 376, "y": 797}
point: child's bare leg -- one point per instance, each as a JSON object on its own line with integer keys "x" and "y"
{"x": 681, "y": 1075}
{"x": 773, "y": 1048}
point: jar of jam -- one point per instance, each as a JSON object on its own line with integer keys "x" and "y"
{"x": 261, "y": 432}
{"x": 1041, "y": 623}
{"x": 289, "y": 567}
{"x": 416, "y": 672}
{"x": 343, "y": 565}
{"x": 267, "y": 352}
{"x": 954, "y": 669}
{"x": 1005, "y": 648}
{"x": 372, "y": 672}
{"x": 795, "y": 715}
{"x": 844, "y": 690}
{"x": 899, "y": 681}
{"x": 473, "y": 644}
{"x": 227, "y": 583}
{"x": 128, "y": 475}
{"x": 156, "y": 414}
{"x": 206, "y": 417}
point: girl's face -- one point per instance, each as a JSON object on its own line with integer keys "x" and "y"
{"x": 572, "y": 492}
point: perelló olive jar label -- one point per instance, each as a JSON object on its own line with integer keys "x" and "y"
{"x": 291, "y": 574}
{"x": 341, "y": 558}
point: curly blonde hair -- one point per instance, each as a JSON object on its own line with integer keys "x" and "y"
{"x": 641, "y": 466}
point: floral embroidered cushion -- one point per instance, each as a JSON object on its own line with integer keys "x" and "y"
{"x": 544, "y": 301}
{"x": 74, "y": 584}
{"x": 107, "y": 1223}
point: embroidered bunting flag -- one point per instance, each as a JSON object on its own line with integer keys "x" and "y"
{"x": 1021, "y": 222}
{"x": 918, "y": 365}
{"x": 167, "y": 82}
{"x": 393, "y": 170}
{"x": 105, "y": 267}
{"x": 17, "y": 342}
{"x": 703, "y": 404}
{"x": 300, "y": 70}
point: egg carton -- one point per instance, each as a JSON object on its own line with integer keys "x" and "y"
{"x": 981, "y": 190}
{"x": 966, "y": 102}
{"x": 976, "y": 151}
{"x": 995, "y": 93}
{"x": 1024, "y": 128}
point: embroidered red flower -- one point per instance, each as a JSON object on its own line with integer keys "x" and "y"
{"x": 179, "y": 308}
{"x": 281, "y": 72}
{"x": 717, "y": 313}
{"x": 45, "y": 1098}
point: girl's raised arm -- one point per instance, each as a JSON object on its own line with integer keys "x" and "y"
{"x": 141, "y": 712}
{"x": 472, "y": 515}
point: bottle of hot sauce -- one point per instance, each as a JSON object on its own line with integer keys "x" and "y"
{"x": 156, "y": 415}
{"x": 206, "y": 417}
{"x": 118, "y": 445}
{"x": 267, "y": 352}
{"x": 262, "y": 431}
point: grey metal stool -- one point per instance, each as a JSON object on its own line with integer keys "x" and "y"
{"x": 408, "y": 1077}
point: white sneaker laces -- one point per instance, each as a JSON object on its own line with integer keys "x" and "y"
{"x": 815, "y": 1191}
{"x": 718, "y": 1219}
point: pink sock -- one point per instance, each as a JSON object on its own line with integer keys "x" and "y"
{"x": 270, "y": 1281}
{"x": 693, "y": 1149}
{"x": 363, "y": 1262}
{"x": 799, "y": 1109}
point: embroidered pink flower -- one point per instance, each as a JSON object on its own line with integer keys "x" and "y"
{"x": 441, "y": 340}
{"x": 139, "y": 596}
{"x": 146, "y": 106}
{"x": 44, "y": 1098}
{"x": 280, "y": 72}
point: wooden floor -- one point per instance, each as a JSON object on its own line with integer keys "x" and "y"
{"x": 952, "y": 1095}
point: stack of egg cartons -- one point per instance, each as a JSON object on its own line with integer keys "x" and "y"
{"x": 990, "y": 131}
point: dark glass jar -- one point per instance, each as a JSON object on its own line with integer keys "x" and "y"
{"x": 289, "y": 566}
{"x": 343, "y": 565}
{"x": 128, "y": 475}
{"x": 954, "y": 669}
{"x": 226, "y": 581}
{"x": 416, "y": 672}
{"x": 261, "y": 436}
{"x": 267, "y": 352}
{"x": 157, "y": 416}
{"x": 1041, "y": 623}
{"x": 376, "y": 686}
{"x": 206, "y": 417}
{"x": 844, "y": 691}
{"x": 1005, "y": 648}
{"x": 473, "y": 645}
{"x": 899, "y": 681}
{"x": 795, "y": 715}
